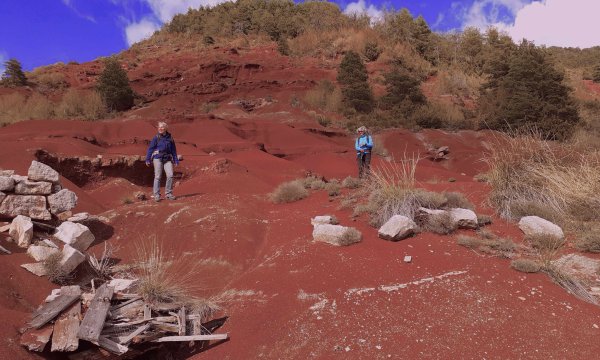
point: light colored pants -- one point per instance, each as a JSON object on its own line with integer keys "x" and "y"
{"x": 158, "y": 169}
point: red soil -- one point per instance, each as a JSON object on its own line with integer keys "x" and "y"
{"x": 288, "y": 297}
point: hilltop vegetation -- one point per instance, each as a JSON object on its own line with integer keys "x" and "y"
{"x": 474, "y": 80}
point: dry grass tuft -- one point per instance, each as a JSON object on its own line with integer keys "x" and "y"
{"x": 333, "y": 188}
{"x": 545, "y": 242}
{"x": 488, "y": 243}
{"x": 55, "y": 271}
{"x": 529, "y": 173}
{"x": 162, "y": 280}
{"x": 441, "y": 224}
{"x": 526, "y": 265}
{"x": 103, "y": 267}
{"x": 589, "y": 242}
{"x": 457, "y": 200}
{"x": 483, "y": 220}
{"x": 351, "y": 236}
{"x": 351, "y": 182}
{"x": 289, "y": 192}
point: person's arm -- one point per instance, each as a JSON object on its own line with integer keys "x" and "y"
{"x": 357, "y": 144}
{"x": 174, "y": 153}
{"x": 151, "y": 148}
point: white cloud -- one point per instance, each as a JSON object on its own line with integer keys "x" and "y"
{"x": 360, "y": 7}
{"x": 141, "y": 30}
{"x": 70, "y": 5}
{"x": 567, "y": 23}
{"x": 3, "y": 58}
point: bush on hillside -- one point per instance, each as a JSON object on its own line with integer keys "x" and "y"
{"x": 113, "y": 86}
{"x": 13, "y": 74}
{"x": 288, "y": 192}
{"x": 372, "y": 51}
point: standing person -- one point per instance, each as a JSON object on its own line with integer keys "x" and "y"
{"x": 363, "y": 145}
{"x": 162, "y": 153}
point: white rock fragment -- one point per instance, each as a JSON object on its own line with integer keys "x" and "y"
{"x": 407, "y": 258}
{"x": 324, "y": 219}
{"x": 76, "y": 235}
{"x": 33, "y": 188}
{"x": 35, "y": 268}
{"x": 41, "y": 253}
{"x": 42, "y": 172}
{"x": 534, "y": 225}
{"x": 464, "y": 218}
{"x": 62, "y": 201}
{"x": 21, "y": 230}
{"x": 7, "y": 183}
{"x": 336, "y": 234}
{"x": 397, "y": 228}
{"x": 71, "y": 258}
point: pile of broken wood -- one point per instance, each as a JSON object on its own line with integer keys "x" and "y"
{"x": 113, "y": 320}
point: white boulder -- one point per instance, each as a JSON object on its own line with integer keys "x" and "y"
{"x": 42, "y": 172}
{"x": 21, "y": 230}
{"x": 464, "y": 218}
{"x": 336, "y": 234}
{"x": 62, "y": 201}
{"x": 71, "y": 258}
{"x": 534, "y": 225}
{"x": 76, "y": 235}
{"x": 33, "y": 206}
{"x": 397, "y": 228}
{"x": 324, "y": 219}
{"x": 35, "y": 268}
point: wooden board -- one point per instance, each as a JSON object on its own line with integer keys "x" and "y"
{"x": 66, "y": 328}
{"x": 124, "y": 340}
{"x": 112, "y": 346}
{"x": 93, "y": 322}
{"x": 193, "y": 338}
{"x": 50, "y": 310}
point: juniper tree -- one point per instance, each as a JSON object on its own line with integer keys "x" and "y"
{"x": 352, "y": 76}
{"x": 113, "y": 86}
{"x": 13, "y": 74}
{"x": 596, "y": 74}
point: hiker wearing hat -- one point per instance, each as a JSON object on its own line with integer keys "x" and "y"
{"x": 363, "y": 146}
{"x": 163, "y": 154}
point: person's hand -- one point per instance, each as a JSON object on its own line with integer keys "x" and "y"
{"x": 148, "y": 164}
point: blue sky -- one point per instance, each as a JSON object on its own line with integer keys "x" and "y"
{"x": 41, "y": 32}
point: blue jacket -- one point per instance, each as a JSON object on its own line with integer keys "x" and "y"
{"x": 160, "y": 145}
{"x": 364, "y": 142}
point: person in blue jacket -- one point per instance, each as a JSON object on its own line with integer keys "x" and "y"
{"x": 363, "y": 146}
{"x": 163, "y": 154}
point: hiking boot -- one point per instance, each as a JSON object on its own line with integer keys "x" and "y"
{"x": 157, "y": 198}
{"x": 171, "y": 197}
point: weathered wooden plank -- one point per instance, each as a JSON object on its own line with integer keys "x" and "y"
{"x": 174, "y": 328}
{"x": 66, "y": 328}
{"x": 50, "y": 310}
{"x": 149, "y": 336}
{"x": 64, "y": 290}
{"x": 112, "y": 346}
{"x": 92, "y": 323}
{"x": 125, "y": 303}
{"x": 147, "y": 312}
{"x": 193, "y": 338}
{"x": 181, "y": 321}
{"x": 197, "y": 326}
{"x": 36, "y": 339}
{"x": 124, "y": 340}
{"x": 5, "y": 250}
{"x": 133, "y": 309}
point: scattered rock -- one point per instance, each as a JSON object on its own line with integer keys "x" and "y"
{"x": 41, "y": 253}
{"x": 33, "y": 188}
{"x": 397, "y": 228}
{"x": 42, "y": 172}
{"x": 28, "y": 205}
{"x": 336, "y": 234}
{"x": 62, "y": 201}
{"x": 325, "y": 219}
{"x": 49, "y": 243}
{"x": 74, "y": 234}
{"x": 19, "y": 178}
{"x": 6, "y": 183}
{"x": 140, "y": 196}
{"x": 64, "y": 216}
{"x": 79, "y": 217}
{"x": 36, "y": 268}
{"x": 53, "y": 295}
{"x": 7, "y": 172}
{"x": 407, "y": 258}
{"x": 464, "y": 218}
{"x": 21, "y": 230}
{"x": 534, "y": 225}
{"x": 71, "y": 258}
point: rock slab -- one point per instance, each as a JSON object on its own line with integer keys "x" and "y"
{"x": 62, "y": 201}
{"x": 334, "y": 234}
{"x": 535, "y": 225}
{"x": 464, "y": 218}
{"x": 398, "y": 227}
{"x": 21, "y": 230}
{"x": 33, "y": 206}
{"x": 6, "y": 183}
{"x": 74, "y": 234}
{"x": 42, "y": 172}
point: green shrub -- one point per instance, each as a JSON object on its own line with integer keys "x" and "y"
{"x": 372, "y": 51}
{"x": 441, "y": 224}
{"x": 113, "y": 86}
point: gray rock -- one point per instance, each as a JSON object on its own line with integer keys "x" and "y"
{"x": 6, "y": 183}
{"x": 2, "y": 196}
{"x": 33, "y": 206}
{"x": 19, "y": 178}
{"x": 36, "y": 268}
{"x": 75, "y": 235}
{"x": 7, "y": 172}
{"x": 49, "y": 243}
{"x": 71, "y": 258}
{"x": 397, "y": 228}
{"x": 33, "y": 188}
{"x": 319, "y": 220}
{"x": 21, "y": 230}
{"x": 427, "y": 212}
{"x": 534, "y": 225}
{"x": 336, "y": 234}
{"x": 464, "y": 218}
{"x": 56, "y": 188}
{"x": 42, "y": 172}
{"x": 64, "y": 200}
{"x": 121, "y": 284}
{"x": 41, "y": 253}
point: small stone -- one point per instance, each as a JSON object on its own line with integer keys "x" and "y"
{"x": 522, "y": 298}
{"x": 397, "y": 228}
{"x": 33, "y": 188}
{"x": 407, "y": 258}
{"x": 62, "y": 201}
{"x": 21, "y": 230}
{"x": 325, "y": 219}
{"x": 42, "y": 172}
{"x": 71, "y": 258}
{"x": 6, "y": 183}
{"x": 79, "y": 217}
{"x": 35, "y": 268}
{"x": 64, "y": 216}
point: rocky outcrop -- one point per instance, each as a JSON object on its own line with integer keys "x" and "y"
{"x": 33, "y": 206}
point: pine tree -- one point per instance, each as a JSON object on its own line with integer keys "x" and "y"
{"x": 531, "y": 95}
{"x": 422, "y": 37}
{"x": 13, "y": 74}
{"x": 596, "y": 74}
{"x": 403, "y": 91}
{"x": 352, "y": 76}
{"x": 113, "y": 86}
